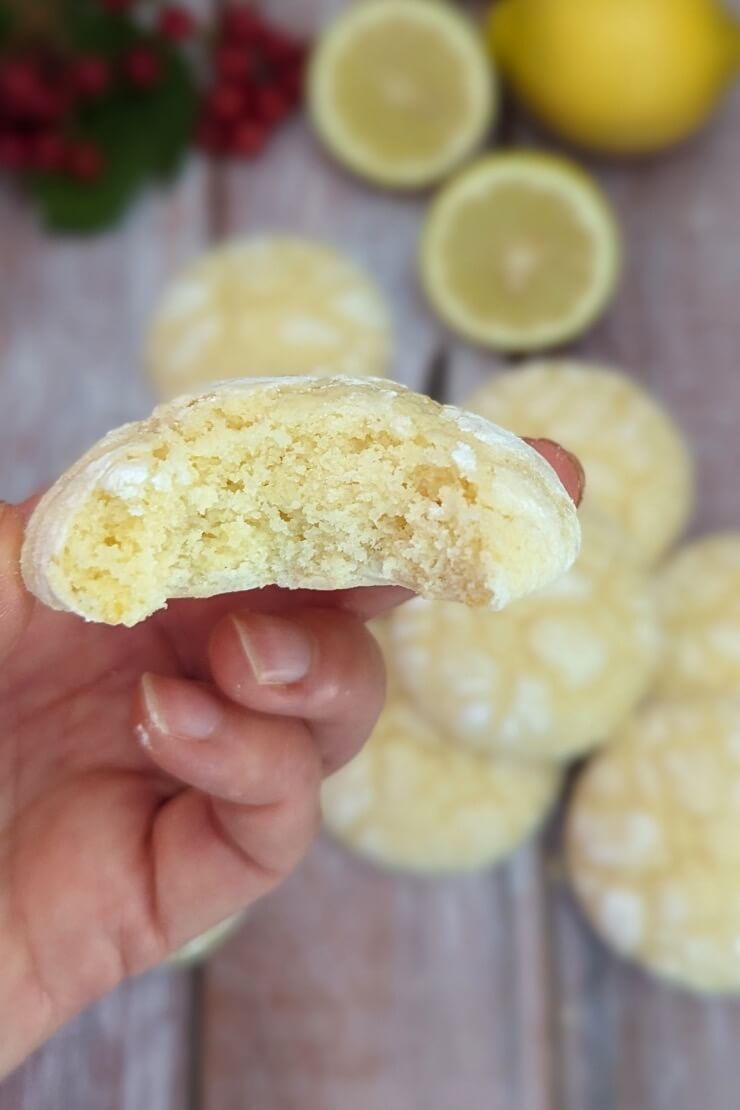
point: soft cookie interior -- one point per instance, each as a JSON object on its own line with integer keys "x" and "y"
{"x": 301, "y": 488}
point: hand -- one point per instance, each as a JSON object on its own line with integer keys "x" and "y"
{"x": 114, "y": 853}
{"x": 155, "y": 780}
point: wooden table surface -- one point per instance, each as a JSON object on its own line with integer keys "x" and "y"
{"x": 351, "y": 988}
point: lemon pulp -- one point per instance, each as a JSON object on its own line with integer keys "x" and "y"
{"x": 401, "y": 90}
{"x": 520, "y": 252}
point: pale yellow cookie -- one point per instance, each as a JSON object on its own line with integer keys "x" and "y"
{"x": 638, "y": 468}
{"x": 551, "y": 676}
{"x": 699, "y": 594}
{"x": 277, "y": 305}
{"x": 653, "y": 842}
{"x": 412, "y": 802}
{"x": 321, "y": 483}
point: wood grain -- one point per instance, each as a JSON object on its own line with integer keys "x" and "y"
{"x": 129, "y": 1052}
{"x": 355, "y": 988}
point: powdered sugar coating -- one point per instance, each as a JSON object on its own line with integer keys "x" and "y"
{"x": 638, "y": 468}
{"x": 277, "y": 302}
{"x": 554, "y": 674}
{"x": 654, "y": 859}
{"x": 699, "y": 593}
{"x": 409, "y": 801}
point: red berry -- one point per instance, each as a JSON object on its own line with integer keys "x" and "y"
{"x": 13, "y": 152}
{"x": 270, "y": 105}
{"x": 176, "y": 23}
{"x": 226, "y": 102}
{"x": 242, "y": 23}
{"x": 248, "y": 139}
{"x": 20, "y": 83}
{"x": 48, "y": 151}
{"x": 291, "y": 82}
{"x": 279, "y": 46}
{"x": 142, "y": 67}
{"x": 91, "y": 76}
{"x": 211, "y": 137}
{"x": 85, "y": 161}
{"x": 232, "y": 62}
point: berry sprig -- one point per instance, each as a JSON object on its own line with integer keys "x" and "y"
{"x": 100, "y": 100}
{"x": 41, "y": 98}
{"x": 257, "y": 81}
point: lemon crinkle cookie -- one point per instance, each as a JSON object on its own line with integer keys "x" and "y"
{"x": 318, "y": 483}
{"x": 551, "y": 676}
{"x": 699, "y": 593}
{"x": 638, "y": 468}
{"x": 278, "y": 304}
{"x": 653, "y": 842}
{"x": 411, "y": 802}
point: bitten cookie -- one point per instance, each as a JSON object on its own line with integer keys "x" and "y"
{"x": 318, "y": 483}
{"x": 276, "y": 305}
{"x": 550, "y": 677}
{"x": 638, "y": 468}
{"x": 699, "y": 593}
{"x": 653, "y": 842}
{"x": 409, "y": 801}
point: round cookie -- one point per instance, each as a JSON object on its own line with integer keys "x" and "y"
{"x": 316, "y": 483}
{"x": 699, "y": 596}
{"x": 411, "y": 802}
{"x": 277, "y": 305}
{"x": 653, "y": 842}
{"x": 638, "y": 468}
{"x": 551, "y": 676}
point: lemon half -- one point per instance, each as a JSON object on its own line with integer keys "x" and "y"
{"x": 401, "y": 91}
{"x": 520, "y": 252}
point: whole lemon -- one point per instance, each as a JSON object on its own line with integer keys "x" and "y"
{"x": 623, "y": 76}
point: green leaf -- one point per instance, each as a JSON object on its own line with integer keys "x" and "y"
{"x": 7, "y": 22}
{"x": 72, "y": 206}
{"x": 173, "y": 115}
{"x": 88, "y": 27}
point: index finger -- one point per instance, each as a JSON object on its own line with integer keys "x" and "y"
{"x": 188, "y": 623}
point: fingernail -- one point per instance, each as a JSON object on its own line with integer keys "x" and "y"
{"x": 180, "y": 708}
{"x": 568, "y": 465}
{"x": 278, "y": 651}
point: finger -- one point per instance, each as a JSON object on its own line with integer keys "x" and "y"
{"x": 565, "y": 464}
{"x": 251, "y": 811}
{"x": 205, "y": 741}
{"x": 187, "y": 623}
{"x": 321, "y": 665}
{"x": 16, "y": 604}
